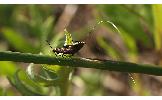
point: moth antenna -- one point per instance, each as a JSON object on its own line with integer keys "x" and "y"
{"x": 93, "y": 28}
{"x": 52, "y": 48}
{"x": 49, "y": 44}
{"x": 131, "y": 76}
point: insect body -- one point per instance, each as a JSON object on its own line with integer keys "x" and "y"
{"x": 68, "y": 49}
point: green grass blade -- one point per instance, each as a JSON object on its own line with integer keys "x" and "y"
{"x": 7, "y": 68}
{"x": 82, "y": 62}
{"x": 132, "y": 24}
{"x": 157, "y": 13}
{"x": 45, "y": 81}
{"x": 18, "y": 41}
{"x": 24, "y": 90}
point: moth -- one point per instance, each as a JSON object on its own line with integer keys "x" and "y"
{"x": 68, "y": 49}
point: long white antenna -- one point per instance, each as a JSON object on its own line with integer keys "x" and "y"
{"x": 52, "y": 49}
{"x": 131, "y": 76}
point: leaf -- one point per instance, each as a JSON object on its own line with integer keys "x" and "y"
{"x": 20, "y": 86}
{"x": 7, "y": 68}
{"x": 47, "y": 25}
{"x": 18, "y": 41}
{"x": 132, "y": 24}
{"x": 157, "y": 14}
{"x": 45, "y": 81}
{"x": 64, "y": 74}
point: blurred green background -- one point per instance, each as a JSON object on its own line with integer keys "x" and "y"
{"x": 24, "y": 28}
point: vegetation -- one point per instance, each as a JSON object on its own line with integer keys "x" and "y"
{"x": 101, "y": 67}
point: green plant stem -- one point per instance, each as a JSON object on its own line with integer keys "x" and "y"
{"x": 81, "y": 62}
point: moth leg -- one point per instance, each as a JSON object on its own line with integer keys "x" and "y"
{"x": 68, "y": 55}
{"x": 56, "y": 56}
{"x": 65, "y": 56}
{"x": 62, "y": 55}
